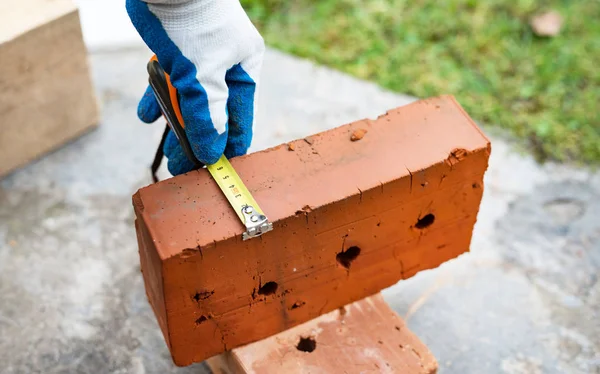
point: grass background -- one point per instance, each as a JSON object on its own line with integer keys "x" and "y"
{"x": 546, "y": 91}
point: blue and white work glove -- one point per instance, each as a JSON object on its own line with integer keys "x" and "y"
{"x": 213, "y": 55}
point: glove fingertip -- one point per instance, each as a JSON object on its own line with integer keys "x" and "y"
{"x": 148, "y": 109}
{"x": 207, "y": 145}
{"x": 211, "y": 158}
{"x": 179, "y": 166}
{"x": 178, "y": 163}
{"x": 235, "y": 149}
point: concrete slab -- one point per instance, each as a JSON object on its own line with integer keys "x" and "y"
{"x": 525, "y": 300}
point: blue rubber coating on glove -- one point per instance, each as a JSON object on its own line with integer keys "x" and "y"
{"x": 178, "y": 163}
{"x": 205, "y": 141}
{"x": 240, "y": 105}
{"x": 148, "y": 108}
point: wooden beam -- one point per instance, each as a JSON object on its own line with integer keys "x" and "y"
{"x": 46, "y": 93}
{"x": 351, "y": 217}
{"x": 366, "y": 336}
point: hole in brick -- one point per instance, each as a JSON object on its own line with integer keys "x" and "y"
{"x": 203, "y": 295}
{"x": 307, "y": 344}
{"x": 425, "y": 221}
{"x": 268, "y": 288}
{"x": 297, "y": 305}
{"x": 201, "y": 319}
{"x": 345, "y": 258}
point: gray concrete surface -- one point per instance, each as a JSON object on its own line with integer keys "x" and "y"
{"x": 525, "y": 300}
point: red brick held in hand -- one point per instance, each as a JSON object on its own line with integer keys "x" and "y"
{"x": 350, "y": 219}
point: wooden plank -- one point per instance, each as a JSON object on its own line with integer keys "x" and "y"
{"x": 46, "y": 93}
{"x": 350, "y": 219}
{"x": 366, "y": 336}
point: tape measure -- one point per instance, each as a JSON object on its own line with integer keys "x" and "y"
{"x": 228, "y": 180}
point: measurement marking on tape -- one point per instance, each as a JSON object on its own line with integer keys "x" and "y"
{"x": 240, "y": 198}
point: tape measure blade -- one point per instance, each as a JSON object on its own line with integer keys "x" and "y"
{"x": 232, "y": 186}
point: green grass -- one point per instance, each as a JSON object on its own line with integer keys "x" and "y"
{"x": 543, "y": 90}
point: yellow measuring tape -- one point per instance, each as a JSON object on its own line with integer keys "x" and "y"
{"x": 240, "y": 199}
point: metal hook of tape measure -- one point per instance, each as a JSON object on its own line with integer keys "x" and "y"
{"x": 256, "y": 223}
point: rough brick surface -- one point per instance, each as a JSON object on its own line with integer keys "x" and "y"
{"x": 351, "y": 217}
{"x": 363, "y": 337}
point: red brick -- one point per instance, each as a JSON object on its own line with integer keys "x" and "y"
{"x": 366, "y": 336}
{"x": 407, "y": 194}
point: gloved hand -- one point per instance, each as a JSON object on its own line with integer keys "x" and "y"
{"x": 213, "y": 55}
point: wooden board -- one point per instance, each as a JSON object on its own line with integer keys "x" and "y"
{"x": 46, "y": 92}
{"x": 350, "y": 219}
{"x": 364, "y": 337}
